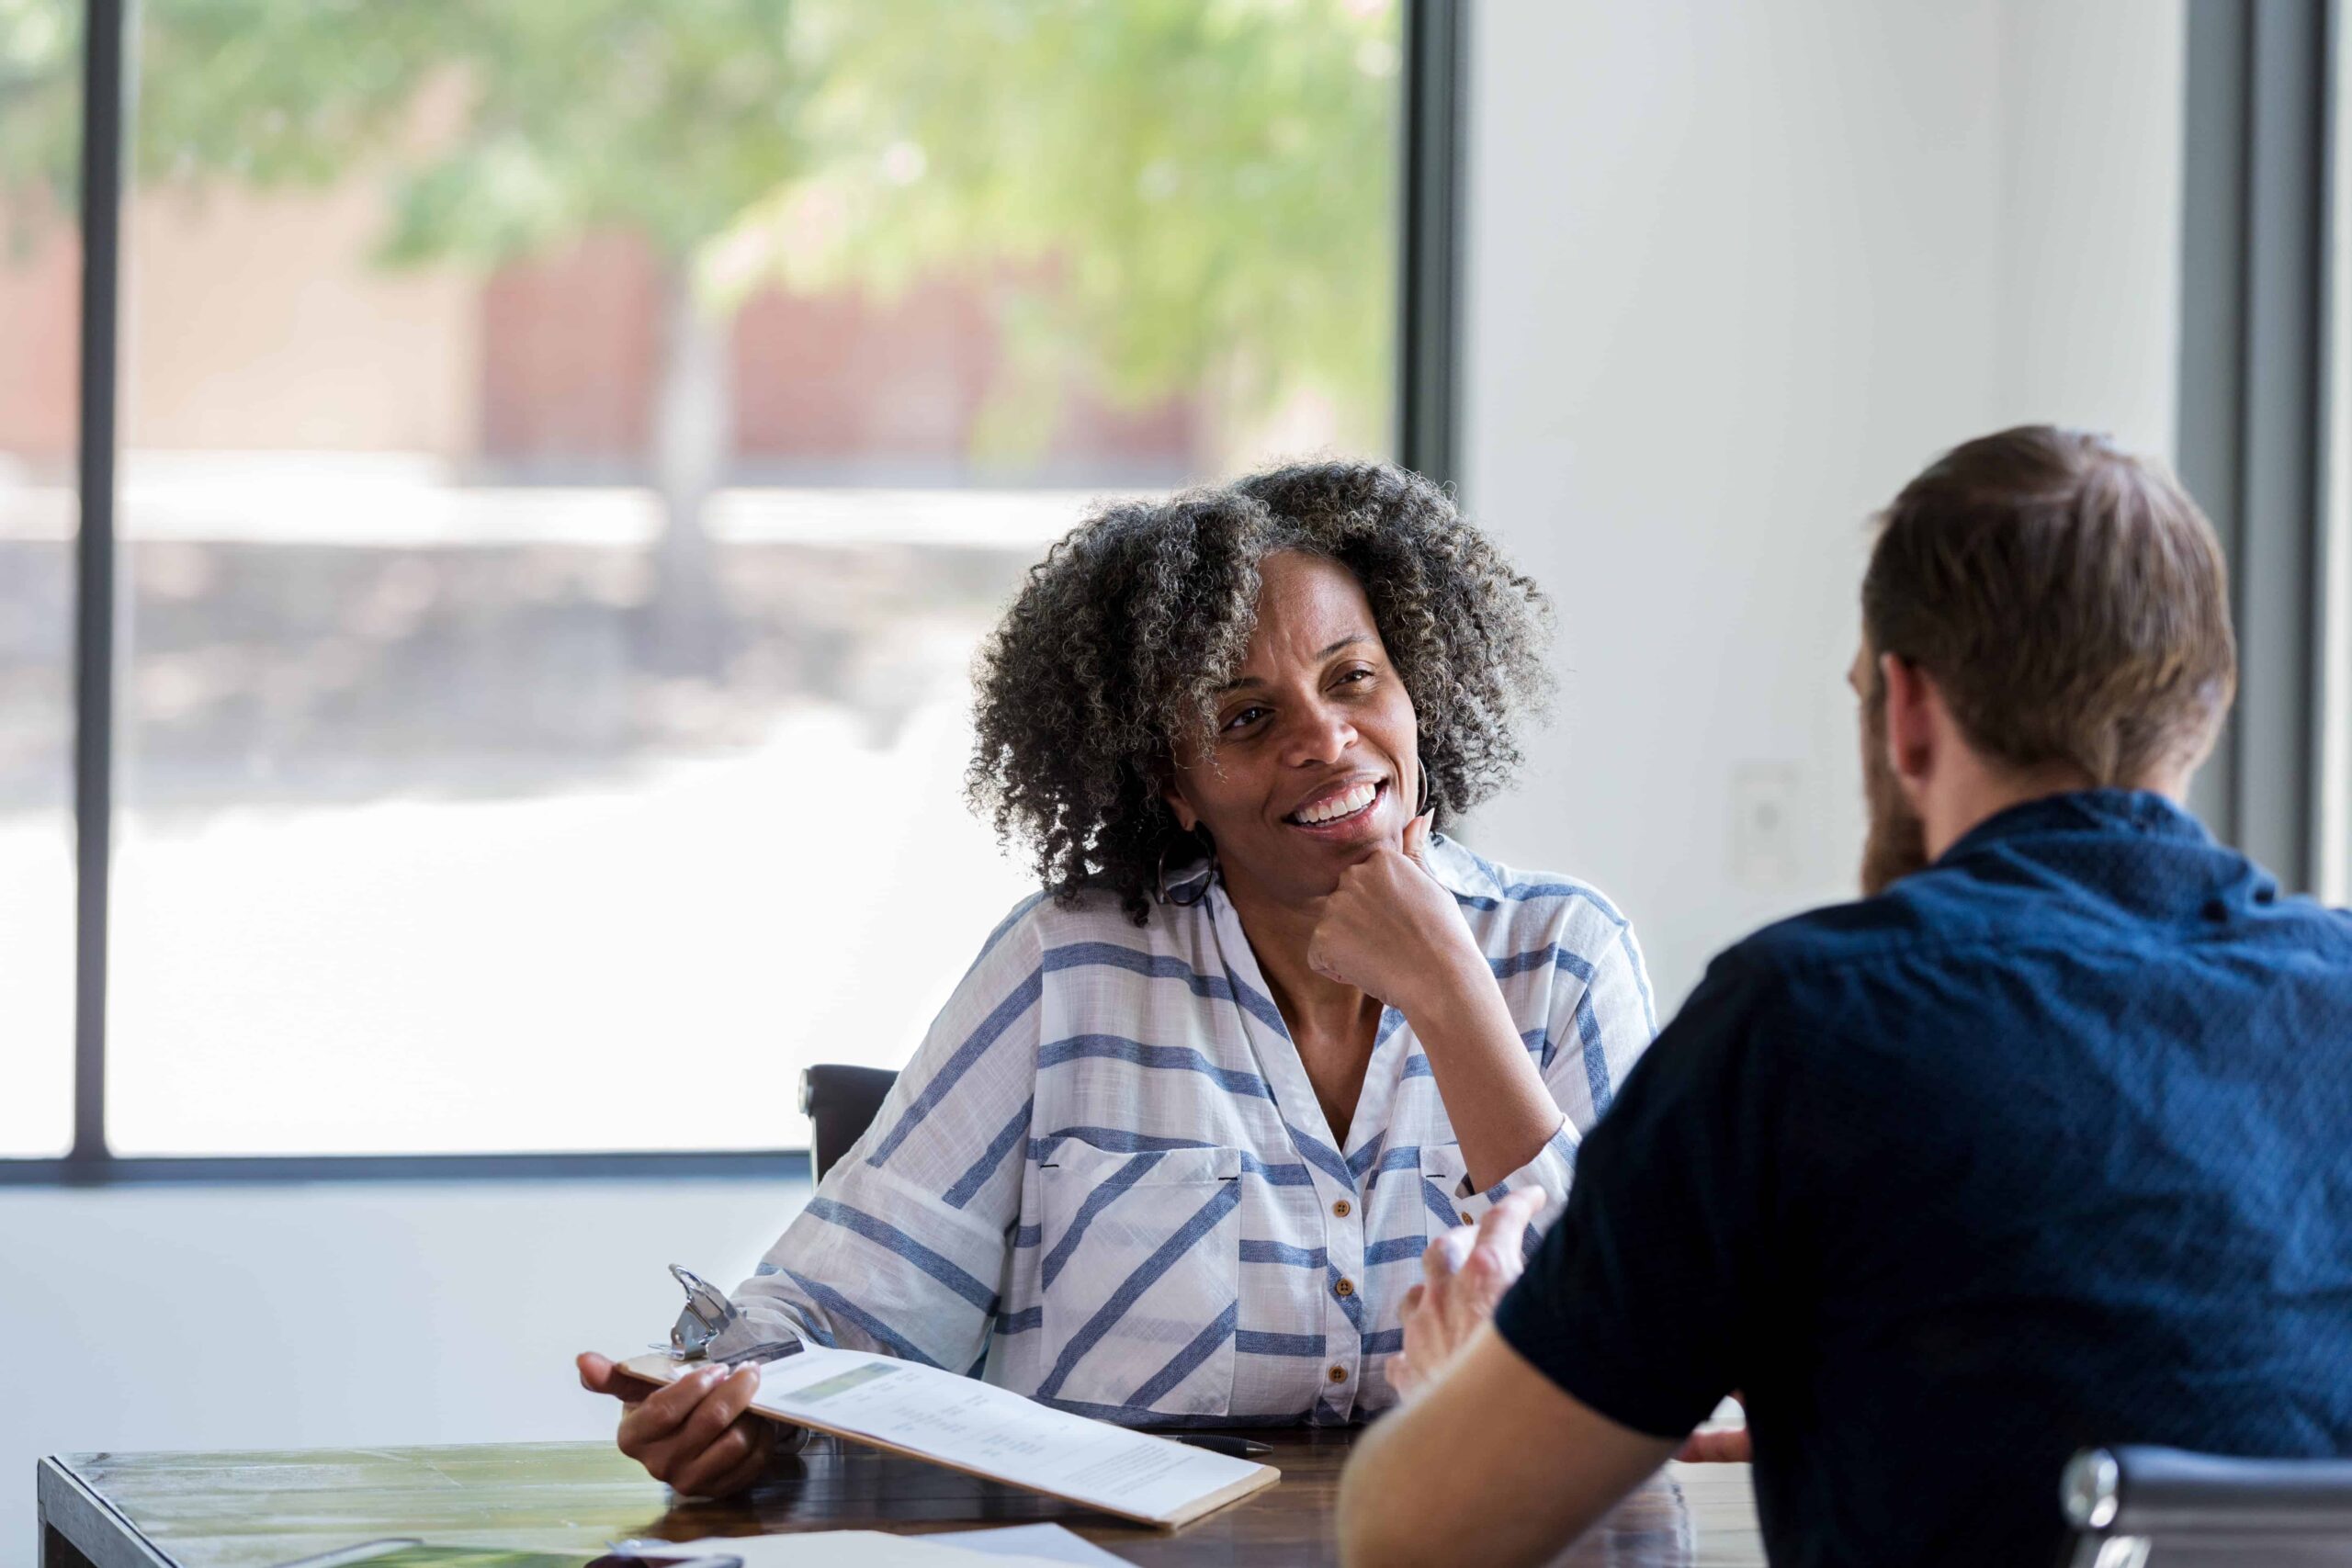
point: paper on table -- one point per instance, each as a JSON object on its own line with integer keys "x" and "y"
{"x": 1026, "y": 1541}
{"x": 970, "y": 1424}
{"x": 829, "y": 1549}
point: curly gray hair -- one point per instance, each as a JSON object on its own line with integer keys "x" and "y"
{"x": 1120, "y": 637}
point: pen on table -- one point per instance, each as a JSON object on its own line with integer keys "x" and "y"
{"x": 1233, "y": 1448}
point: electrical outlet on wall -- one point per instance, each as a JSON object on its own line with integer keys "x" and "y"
{"x": 1765, "y": 852}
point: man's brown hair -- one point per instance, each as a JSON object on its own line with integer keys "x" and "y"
{"x": 2068, "y": 598}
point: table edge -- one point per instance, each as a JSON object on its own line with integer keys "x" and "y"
{"x": 57, "y": 1483}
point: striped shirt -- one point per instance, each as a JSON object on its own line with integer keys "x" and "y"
{"x": 1105, "y": 1181}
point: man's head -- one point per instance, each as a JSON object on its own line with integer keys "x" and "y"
{"x": 2042, "y": 611}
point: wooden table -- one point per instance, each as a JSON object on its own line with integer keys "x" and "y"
{"x": 249, "y": 1511}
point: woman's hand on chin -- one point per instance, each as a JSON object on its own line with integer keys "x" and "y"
{"x": 1392, "y": 930}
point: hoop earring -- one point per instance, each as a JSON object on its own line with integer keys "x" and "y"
{"x": 1192, "y": 889}
{"x": 1422, "y": 800}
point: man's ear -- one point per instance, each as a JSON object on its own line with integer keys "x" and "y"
{"x": 1912, "y": 706}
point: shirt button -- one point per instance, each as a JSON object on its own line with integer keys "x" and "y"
{"x": 1344, "y": 1288}
{"x": 1466, "y": 1219}
{"x": 1339, "y": 1374}
{"x": 1343, "y": 1208}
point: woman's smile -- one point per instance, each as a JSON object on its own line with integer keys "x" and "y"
{"x": 1341, "y": 810}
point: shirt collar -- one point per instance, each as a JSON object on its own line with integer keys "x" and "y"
{"x": 2138, "y": 811}
{"x": 1460, "y": 871}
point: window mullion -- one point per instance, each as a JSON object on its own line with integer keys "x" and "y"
{"x": 105, "y": 113}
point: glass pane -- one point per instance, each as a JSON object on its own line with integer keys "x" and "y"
{"x": 576, "y": 444}
{"x": 40, "y": 259}
{"x": 2333, "y": 693}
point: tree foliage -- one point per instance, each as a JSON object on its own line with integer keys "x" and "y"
{"x": 1165, "y": 195}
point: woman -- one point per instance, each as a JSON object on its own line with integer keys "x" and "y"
{"x": 1174, "y": 1149}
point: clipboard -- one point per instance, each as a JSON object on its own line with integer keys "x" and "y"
{"x": 660, "y": 1368}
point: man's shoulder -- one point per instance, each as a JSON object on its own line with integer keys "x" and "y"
{"x": 1947, "y": 948}
{"x": 1936, "y": 909}
{"x": 1824, "y": 968}
{"x": 1953, "y": 911}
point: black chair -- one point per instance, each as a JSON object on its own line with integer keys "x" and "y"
{"x": 2151, "y": 1507}
{"x": 841, "y": 1103}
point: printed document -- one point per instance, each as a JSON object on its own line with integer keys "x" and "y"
{"x": 972, "y": 1425}
{"x": 841, "y": 1548}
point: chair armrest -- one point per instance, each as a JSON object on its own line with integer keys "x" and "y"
{"x": 2147, "y": 1491}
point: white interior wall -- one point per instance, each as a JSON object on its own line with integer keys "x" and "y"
{"x": 395, "y": 1313}
{"x": 1734, "y": 272}
{"x": 2088, "y": 326}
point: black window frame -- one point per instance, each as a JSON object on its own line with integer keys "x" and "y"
{"x": 2256, "y": 221}
{"x": 1430, "y": 207}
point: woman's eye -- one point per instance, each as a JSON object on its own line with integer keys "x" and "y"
{"x": 1354, "y": 675}
{"x": 1245, "y": 716}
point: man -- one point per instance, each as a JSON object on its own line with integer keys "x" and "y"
{"x": 2048, "y": 1143}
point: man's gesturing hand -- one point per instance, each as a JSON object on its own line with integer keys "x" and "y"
{"x": 1463, "y": 1275}
{"x": 1729, "y": 1446}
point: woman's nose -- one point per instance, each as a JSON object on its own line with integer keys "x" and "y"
{"x": 1319, "y": 733}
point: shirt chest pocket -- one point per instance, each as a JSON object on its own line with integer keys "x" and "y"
{"x": 1444, "y": 1176}
{"x": 1142, "y": 1272}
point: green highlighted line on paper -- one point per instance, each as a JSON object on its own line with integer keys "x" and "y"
{"x": 809, "y": 1393}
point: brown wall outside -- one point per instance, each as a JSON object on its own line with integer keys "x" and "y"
{"x": 572, "y": 356}
{"x": 40, "y": 297}
{"x": 262, "y": 323}
{"x": 570, "y": 350}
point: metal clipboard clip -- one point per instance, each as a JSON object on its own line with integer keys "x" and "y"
{"x": 706, "y": 1315}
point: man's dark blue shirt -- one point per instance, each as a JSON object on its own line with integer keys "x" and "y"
{"x": 2049, "y": 1145}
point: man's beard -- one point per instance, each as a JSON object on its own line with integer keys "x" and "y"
{"x": 1897, "y": 844}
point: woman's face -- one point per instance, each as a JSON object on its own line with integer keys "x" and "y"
{"x": 1316, "y": 757}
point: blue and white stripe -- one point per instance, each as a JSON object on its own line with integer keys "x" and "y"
{"x": 1105, "y": 1181}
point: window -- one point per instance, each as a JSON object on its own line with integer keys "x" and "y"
{"x": 2334, "y": 694}
{"x": 41, "y": 117}
{"x": 569, "y": 452}
{"x": 2260, "y": 356}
